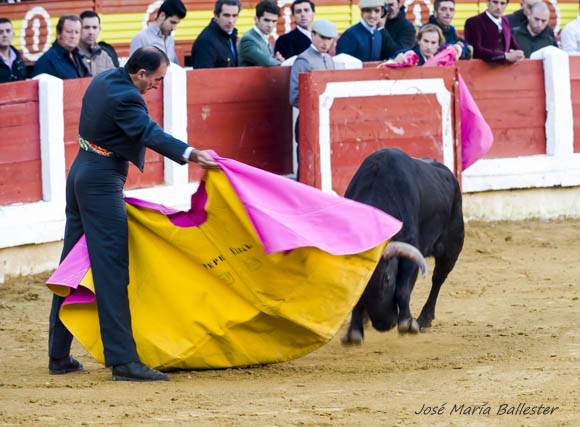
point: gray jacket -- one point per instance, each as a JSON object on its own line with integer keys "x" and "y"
{"x": 309, "y": 60}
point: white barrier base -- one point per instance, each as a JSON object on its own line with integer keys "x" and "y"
{"x": 544, "y": 203}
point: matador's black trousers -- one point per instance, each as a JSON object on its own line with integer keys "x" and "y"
{"x": 95, "y": 207}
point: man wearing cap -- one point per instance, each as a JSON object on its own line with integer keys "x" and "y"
{"x": 316, "y": 57}
{"x": 363, "y": 40}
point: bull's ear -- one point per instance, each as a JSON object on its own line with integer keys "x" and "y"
{"x": 405, "y": 250}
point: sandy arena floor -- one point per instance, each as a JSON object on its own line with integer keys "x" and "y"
{"x": 505, "y": 345}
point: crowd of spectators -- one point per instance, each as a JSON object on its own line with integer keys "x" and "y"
{"x": 383, "y": 33}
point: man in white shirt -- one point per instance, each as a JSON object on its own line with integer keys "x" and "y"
{"x": 570, "y": 36}
{"x": 158, "y": 33}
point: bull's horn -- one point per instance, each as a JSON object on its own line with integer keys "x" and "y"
{"x": 405, "y": 250}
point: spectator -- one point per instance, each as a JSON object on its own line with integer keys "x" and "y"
{"x": 401, "y": 30}
{"x": 430, "y": 38}
{"x": 388, "y": 45}
{"x": 158, "y": 33}
{"x": 254, "y": 47}
{"x": 570, "y": 36}
{"x": 300, "y": 38}
{"x": 316, "y": 57}
{"x": 63, "y": 59}
{"x": 12, "y": 66}
{"x": 215, "y": 47}
{"x": 96, "y": 58}
{"x": 363, "y": 40}
{"x": 490, "y": 35}
{"x": 520, "y": 17}
{"x": 443, "y": 13}
{"x": 535, "y": 35}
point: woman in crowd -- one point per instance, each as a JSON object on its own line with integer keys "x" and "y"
{"x": 430, "y": 39}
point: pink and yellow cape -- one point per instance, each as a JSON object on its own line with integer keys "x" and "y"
{"x": 261, "y": 269}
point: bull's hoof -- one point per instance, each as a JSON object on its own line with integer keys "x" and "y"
{"x": 352, "y": 338}
{"x": 424, "y": 324}
{"x": 408, "y": 326}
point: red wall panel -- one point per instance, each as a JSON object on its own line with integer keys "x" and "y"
{"x": 360, "y": 126}
{"x": 243, "y": 114}
{"x": 512, "y": 100}
{"x": 20, "y": 167}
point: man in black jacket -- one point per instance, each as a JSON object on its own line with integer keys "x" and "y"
{"x": 114, "y": 129}
{"x": 400, "y": 29}
{"x": 520, "y": 17}
{"x": 12, "y": 66}
{"x": 63, "y": 59}
{"x": 215, "y": 47}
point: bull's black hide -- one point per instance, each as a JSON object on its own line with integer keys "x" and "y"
{"x": 426, "y": 197}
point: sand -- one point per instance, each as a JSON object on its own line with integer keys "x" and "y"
{"x": 504, "y": 350}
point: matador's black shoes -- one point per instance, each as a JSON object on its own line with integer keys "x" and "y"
{"x": 64, "y": 365}
{"x": 137, "y": 371}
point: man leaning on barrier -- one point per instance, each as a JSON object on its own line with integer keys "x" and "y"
{"x": 114, "y": 129}
{"x": 63, "y": 59}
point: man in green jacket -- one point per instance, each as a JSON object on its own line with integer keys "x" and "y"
{"x": 254, "y": 47}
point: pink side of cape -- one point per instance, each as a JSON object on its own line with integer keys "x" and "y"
{"x": 285, "y": 214}
{"x": 476, "y": 135}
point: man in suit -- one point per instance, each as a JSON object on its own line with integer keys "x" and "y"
{"x": 364, "y": 40}
{"x": 535, "y": 35}
{"x": 114, "y": 129}
{"x": 490, "y": 35}
{"x": 215, "y": 47}
{"x": 254, "y": 46}
{"x": 300, "y": 38}
{"x": 63, "y": 59}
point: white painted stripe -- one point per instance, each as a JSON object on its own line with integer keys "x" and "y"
{"x": 560, "y": 119}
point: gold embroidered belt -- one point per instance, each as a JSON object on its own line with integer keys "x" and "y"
{"x": 92, "y": 148}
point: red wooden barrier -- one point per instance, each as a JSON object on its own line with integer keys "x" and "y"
{"x": 241, "y": 113}
{"x": 575, "y": 87}
{"x": 74, "y": 90}
{"x": 512, "y": 100}
{"x": 20, "y": 167}
{"x": 361, "y": 126}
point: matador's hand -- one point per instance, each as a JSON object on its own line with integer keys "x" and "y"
{"x": 203, "y": 158}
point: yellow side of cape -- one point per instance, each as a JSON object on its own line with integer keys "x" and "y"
{"x": 209, "y": 297}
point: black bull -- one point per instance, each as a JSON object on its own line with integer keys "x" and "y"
{"x": 426, "y": 197}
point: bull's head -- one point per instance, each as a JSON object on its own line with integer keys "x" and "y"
{"x": 381, "y": 304}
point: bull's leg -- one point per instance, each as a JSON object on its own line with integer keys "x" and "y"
{"x": 406, "y": 277}
{"x": 355, "y": 334}
{"x": 443, "y": 267}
